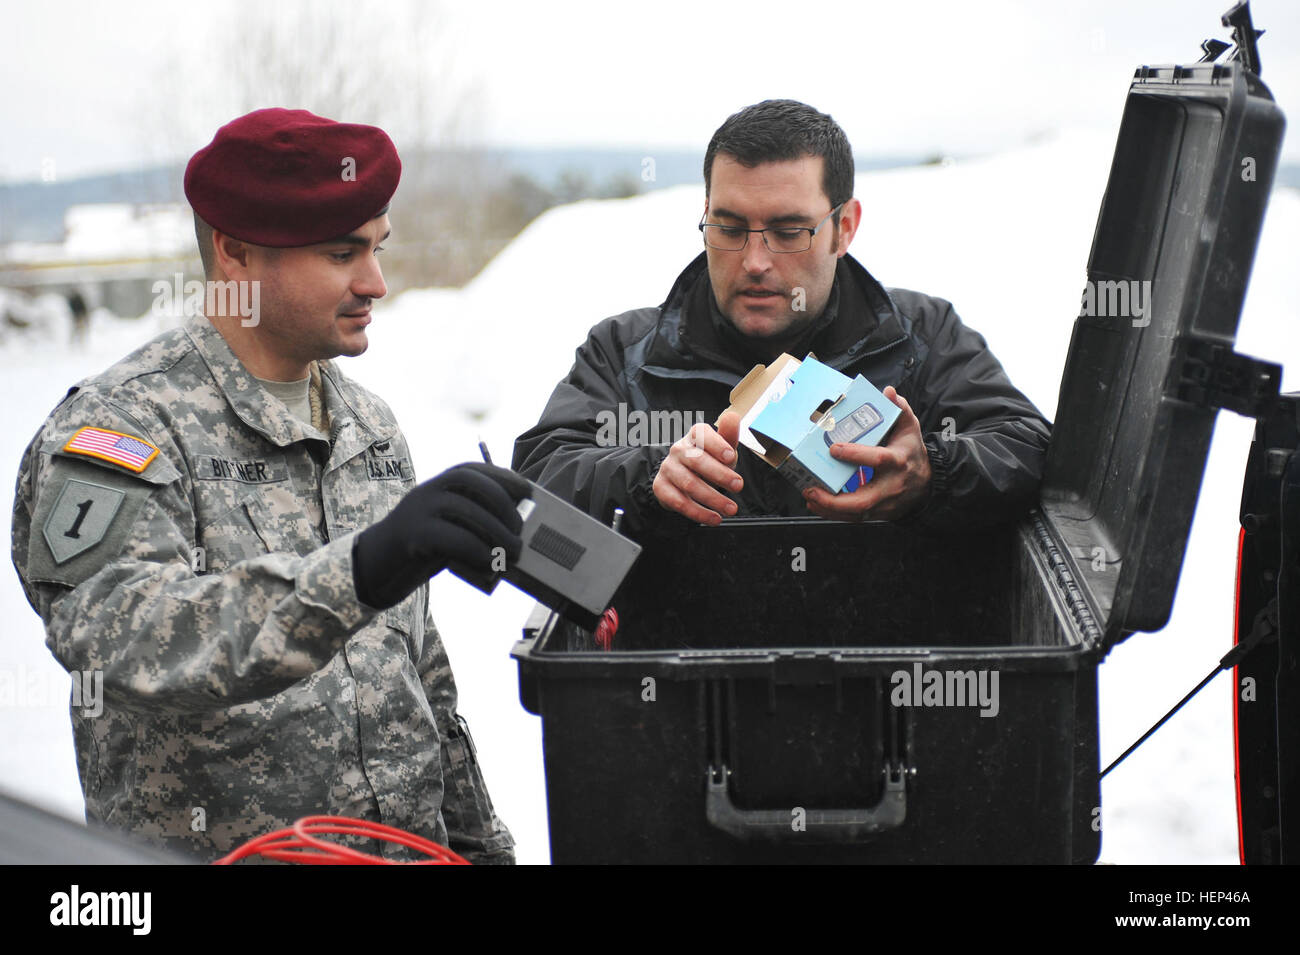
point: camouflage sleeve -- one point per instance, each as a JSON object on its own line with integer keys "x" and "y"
{"x": 106, "y": 557}
{"x": 473, "y": 828}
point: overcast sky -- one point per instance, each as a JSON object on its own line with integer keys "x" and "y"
{"x": 105, "y": 86}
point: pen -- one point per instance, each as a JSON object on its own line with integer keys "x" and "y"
{"x": 482, "y": 448}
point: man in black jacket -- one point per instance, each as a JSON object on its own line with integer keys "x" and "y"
{"x": 967, "y": 449}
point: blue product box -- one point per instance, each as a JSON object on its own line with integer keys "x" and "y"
{"x": 794, "y": 411}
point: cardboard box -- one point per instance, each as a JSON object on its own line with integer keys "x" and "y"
{"x": 791, "y": 412}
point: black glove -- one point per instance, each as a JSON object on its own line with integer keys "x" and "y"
{"x": 456, "y": 518}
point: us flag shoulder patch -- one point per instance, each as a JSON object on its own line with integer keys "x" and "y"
{"x": 131, "y": 452}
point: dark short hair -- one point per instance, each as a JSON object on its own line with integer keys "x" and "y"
{"x": 776, "y": 130}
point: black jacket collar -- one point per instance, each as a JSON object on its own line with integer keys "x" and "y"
{"x": 860, "y": 317}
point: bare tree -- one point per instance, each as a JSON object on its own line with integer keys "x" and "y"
{"x": 394, "y": 65}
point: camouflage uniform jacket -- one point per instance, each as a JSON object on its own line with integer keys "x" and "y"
{"x": 244, "y": 684}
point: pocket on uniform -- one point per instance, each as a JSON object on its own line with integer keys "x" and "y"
{"x": 262, "y": 520}
{"x": 473, "y": 828}
{"x": 231, "y": 537}
{"x": 399, "y": 618}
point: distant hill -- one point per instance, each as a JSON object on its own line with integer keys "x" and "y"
{"x": 33, "y": 211}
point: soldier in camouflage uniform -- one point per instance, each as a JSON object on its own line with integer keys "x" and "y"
{"x": 196, "y": 535}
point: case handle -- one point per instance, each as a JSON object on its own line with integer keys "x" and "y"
{"x": 820, "y": 826}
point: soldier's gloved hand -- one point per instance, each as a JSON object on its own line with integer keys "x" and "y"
{"x": 456, "y": 518}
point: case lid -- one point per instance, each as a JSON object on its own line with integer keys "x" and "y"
{"x": 1151, "y": 358}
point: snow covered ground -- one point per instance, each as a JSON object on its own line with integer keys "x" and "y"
{"x": 1005, "y": 238}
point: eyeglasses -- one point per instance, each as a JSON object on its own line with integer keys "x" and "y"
{"x": 729, "y": 238}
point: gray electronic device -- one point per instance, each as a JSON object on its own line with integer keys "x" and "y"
{"x": 569, "y": 561}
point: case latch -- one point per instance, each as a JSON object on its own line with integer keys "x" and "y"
{"x": 1212, "y": 375}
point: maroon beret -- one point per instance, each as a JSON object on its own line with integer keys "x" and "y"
{"x": 286, "y": 177}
